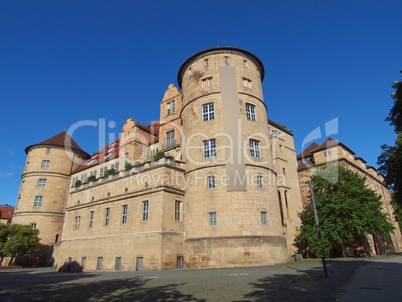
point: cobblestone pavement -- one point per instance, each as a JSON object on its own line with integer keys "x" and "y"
{"x": 294, "y": 281}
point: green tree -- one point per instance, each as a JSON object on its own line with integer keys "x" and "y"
{"x": 390, "y": 160}
{"x": 4, "y": 230}
{"x": 347, "y": 209}
{"x": 22, "y": 241}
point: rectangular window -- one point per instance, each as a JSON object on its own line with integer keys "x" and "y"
{"x": 93, "y": 173}
{"x": 124, "y": 214}
{"x": 48, "y": 150}
{"x": 247, "y": 83}
{"x": 177, "y": 210}
{"x": 227, "y": 61}
{"x": 83, "y": 262}
{"x": 102, "y": 172}
{"x": 41, "y": 183}
{"x": 168, "y": 110}
{"x": 38, "y": 201}
{"x": 145, "y": 210}
{"x": 99, "y": 264}
{"x": 254, "y": 148}
{"x": 173, "y": 106}
{"x": 250, "y": 112}
{"x": 206, "y": 62}
{"x": 212, "y": 219}
{"x": 208, "y": 112}
{"x": 259, "y": 181}
{"x": 45, "y": 164}
{"x": 77, "y": 221}
{"x": 245, "y": 63}
{"x": 91, "y": 219}
{"x": 327, "y": 153}
{"x": 207, "y": 82}
{"x": 33, "y": 226}
{"x": 211, "y": 181}
{"x": 264, "y": 219}
{"x": 117, "y": 264}
{"x": 170, "y": 141}
{"x": 209, "y": 148}
{"x": 107, "y": 216}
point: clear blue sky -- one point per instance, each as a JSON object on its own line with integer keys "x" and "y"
{"x": 62, "y": 62}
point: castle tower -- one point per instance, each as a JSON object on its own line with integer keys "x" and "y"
{"x": 233, "y": 212}
{"x": 45, "y": 183}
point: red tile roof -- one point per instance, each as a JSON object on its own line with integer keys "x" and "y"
{"x": 6, "y": 212}
{"x": 62, "y": 139}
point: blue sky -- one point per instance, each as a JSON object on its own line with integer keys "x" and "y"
{"x": 62, "y": 62}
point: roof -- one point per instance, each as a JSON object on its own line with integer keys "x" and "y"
{"x": 220, "y": 49}
{"x": 107, "y": 153}
{"x": 280, "y": 126}
{"x": 63, "y": 140}
{"x": 6, "y": 212}
{"x": 308, "y": 151}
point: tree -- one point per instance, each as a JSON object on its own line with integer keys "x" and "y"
{"x": 22, "y": 241}
{"x": 347, "y": 209}
{"x": 390, "y": 160}
{"x": 4, "y": 230}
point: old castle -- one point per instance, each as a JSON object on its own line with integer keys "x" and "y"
{"x": 212, "y": 183}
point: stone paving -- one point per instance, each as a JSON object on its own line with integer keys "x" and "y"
{"x": 294, "y": 281}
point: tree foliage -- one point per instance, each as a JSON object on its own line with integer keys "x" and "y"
{"x": 18, "y": 240}
{"x": 347, "y": 208}
{"x": 390, "y": 160}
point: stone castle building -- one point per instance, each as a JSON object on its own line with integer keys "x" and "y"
{"x": 332, "y": 151}
{"x": 211, "y": 183}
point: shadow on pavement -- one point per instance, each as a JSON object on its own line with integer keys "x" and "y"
{"x": 305, "y": 284}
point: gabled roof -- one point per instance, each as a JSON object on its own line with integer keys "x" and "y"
{"x": 6, "y": 212}
{"x": 63, "y": 140}
{"x": 328, "y": 143}
{"x": 308, "y": 151}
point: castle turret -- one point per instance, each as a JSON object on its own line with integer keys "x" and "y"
{"x": 44, "y": 185}
{"x": 233, "y": 213}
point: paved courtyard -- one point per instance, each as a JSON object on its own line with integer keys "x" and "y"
{"x": 294, "y": 281}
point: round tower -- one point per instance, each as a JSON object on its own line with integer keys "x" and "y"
{"x": 232, "y": 212}
{"x": 44, "y": 185}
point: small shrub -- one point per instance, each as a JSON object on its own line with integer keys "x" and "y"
{"x": 128, "y": 166}
{"x": 78, "y": 183}
{"x": 91, "y": 178}
{"x": 157, "y": 156}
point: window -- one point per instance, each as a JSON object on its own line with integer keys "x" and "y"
{"x": 327, "y": 153}
{"x": 177, "y": 211}
{"x": 211, "y": 181}
{"x": 124, "y": 214}
{"x": 107, "y": 216}
{"x": 259, "y": 181}
{"x": 102, "y": 172}
{"x": 77, "y": 220}
{"x": 247, "y": 83}
{"x": 206, "y": 62}
{"x": 171, "y": 107}
{"x": 41, "y": 183}
{"x": 170, "y": 141}
{"x": 250, "y": 112}
{"x": 45, "y": 164}
{"x": 38, "y": 201}
{"x": 264, "y": 219}
{"x": 208, "y": 112}
{"x": 117, "y": 264}
{"x": 145, "y": 210}
{"x": 227, "y": 60}
{"x": 48, "y": 150}
{"x": 83, "y": 262}
{"x": 99, "y": 264}
{"x": 209, "y": 148}
{"x": 207, "y": 82}
{"x": 254, "y": 148}
{"x": 33, "y": 226}
{"x": 93, "y": 173}
{"x": 245, "y": 63}
{"x": 91, "y": 219}
{"x": 212, "y": 219}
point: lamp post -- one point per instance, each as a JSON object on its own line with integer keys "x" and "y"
{"x": 317, "y": 224}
